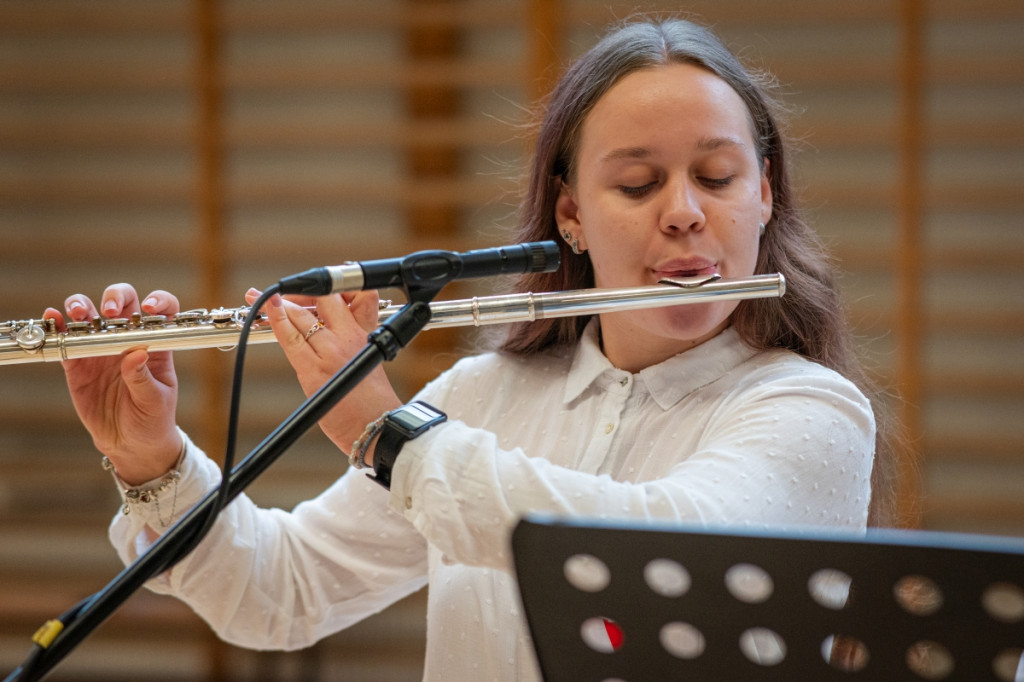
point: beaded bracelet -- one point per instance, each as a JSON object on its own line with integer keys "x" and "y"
{"x": 362, "y": 444}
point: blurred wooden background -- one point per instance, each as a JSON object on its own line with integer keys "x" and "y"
{"x": 203, "y": 146}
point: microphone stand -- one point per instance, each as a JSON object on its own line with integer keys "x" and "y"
{"x": 384, "y": 344}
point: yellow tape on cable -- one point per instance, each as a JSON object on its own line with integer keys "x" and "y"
{"x": 47, "y": 633}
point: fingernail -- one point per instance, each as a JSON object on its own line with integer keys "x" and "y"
{"x": 74, "y": 309}
{"x": 110, "y": 308}
{"x": 275, "y": 300}
{"x": 150, "y": 302}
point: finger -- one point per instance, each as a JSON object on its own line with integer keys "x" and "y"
{"x": 304, "y": 301}
{"x": 251, "y": 296}
{"x": 362, "y": 307}
{"x": 132, "y": 364}
{"x": 119, "y": 300}
{"x": 58, "y": 319}
{"x": 365, "y": 307}
{"x": 80, "y": 308}
{"x": 284, "y": 329}
{"x": 161, "y": 302}
{"x": 299, "y": 316}
{"x": 139, "y": 379}
{"x": 335, "y": 311}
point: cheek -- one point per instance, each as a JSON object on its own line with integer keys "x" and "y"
{"x": 608, "y": 232}
{"x": 609, "y": 270}
{"x": 743, "y": 247}
{"x": 617, "y": 256}
{"x": 750, "y": 250}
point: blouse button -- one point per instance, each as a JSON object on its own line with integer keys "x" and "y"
{"x": 408, "y": 502}
{"x": 608, "y": 428}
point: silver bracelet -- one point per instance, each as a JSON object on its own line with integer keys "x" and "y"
{"x": 362, "y": 444}
{"x": 136, "y": 495}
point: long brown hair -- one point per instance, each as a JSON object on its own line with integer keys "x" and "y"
{"x": 809, "y": 320}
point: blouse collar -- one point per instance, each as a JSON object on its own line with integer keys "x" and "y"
{"x": 668, "y": 382}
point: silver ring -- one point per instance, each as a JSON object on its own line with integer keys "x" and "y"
{"x": 317, "y": 326}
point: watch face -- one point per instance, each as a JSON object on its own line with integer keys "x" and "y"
{"x": 413, "y": 417}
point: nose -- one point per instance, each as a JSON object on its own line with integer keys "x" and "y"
{"x": 682, "y": 209}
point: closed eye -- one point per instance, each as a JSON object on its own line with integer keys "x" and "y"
{"x": 636, "y": 190}
{"x": 716, "y": 183}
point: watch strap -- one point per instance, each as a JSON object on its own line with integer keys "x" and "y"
{"x": 401, "y": 425}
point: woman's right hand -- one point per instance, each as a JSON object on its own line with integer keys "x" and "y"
{"x": 126, "y": 402}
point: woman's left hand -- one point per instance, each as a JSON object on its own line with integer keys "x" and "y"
{"x": 318, "y": 345}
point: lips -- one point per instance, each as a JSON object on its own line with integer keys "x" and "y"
{"x": 691, "y": 267}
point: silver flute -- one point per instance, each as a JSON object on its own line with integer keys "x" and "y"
{"x": 26, "y": 341}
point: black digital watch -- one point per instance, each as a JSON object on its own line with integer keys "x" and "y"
{"x": 401, "y": 425}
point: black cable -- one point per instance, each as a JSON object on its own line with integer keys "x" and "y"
{"x": 224, "y": 489}
{"x": 59, "y": 637}
{"x": 28, "y": 670}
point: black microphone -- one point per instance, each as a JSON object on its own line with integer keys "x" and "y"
{"x": 424, "y": 269}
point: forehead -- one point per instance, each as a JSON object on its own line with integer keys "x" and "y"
{"x": 681, "y": 103}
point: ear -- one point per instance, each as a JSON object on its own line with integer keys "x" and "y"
{"x": 567, "y": 214}
{"x": 766, "y": 193}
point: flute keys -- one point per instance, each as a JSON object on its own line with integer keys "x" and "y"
{"x": 190, "y": 317}
{"x": 152, "y": 321}
{"x": 222, "y": 317}
{"x": 77, "y": 327}
{"x": 31, "y": 337}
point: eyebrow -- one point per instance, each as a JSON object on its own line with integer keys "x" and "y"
{"x": 627, "y": 153}
{"x": 710, "y": 144}
{"x": 704, "y": 144}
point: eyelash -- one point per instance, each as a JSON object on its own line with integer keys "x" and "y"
{"x": 639, "y": 191}
{"x": 717, "y": 182}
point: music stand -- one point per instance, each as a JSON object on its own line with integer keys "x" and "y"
{"x": 642, "y": 603}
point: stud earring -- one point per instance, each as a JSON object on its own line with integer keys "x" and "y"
{"x": 761, "y": 229}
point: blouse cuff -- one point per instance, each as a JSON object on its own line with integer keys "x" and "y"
{"x": 408, "y": 469}
{"x": 128, "y": 532}
{"x": 161, "y": 500}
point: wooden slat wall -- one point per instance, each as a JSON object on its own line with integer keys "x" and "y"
{"x": 205, "y": 146}
{"x": 972, "y": 284}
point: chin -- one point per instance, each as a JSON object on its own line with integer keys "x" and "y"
{"x": 694, "y": 323}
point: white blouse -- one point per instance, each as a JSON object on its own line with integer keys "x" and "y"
{"x": 719, "y": 434}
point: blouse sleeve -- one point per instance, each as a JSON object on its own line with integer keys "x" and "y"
{"x": 271, "y": 579}
{"x": 796, "y": 449}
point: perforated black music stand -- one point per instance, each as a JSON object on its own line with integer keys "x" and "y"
{"x": 640, "y": 604}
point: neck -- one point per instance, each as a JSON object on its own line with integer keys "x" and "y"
{"x": 634, "y": 350}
